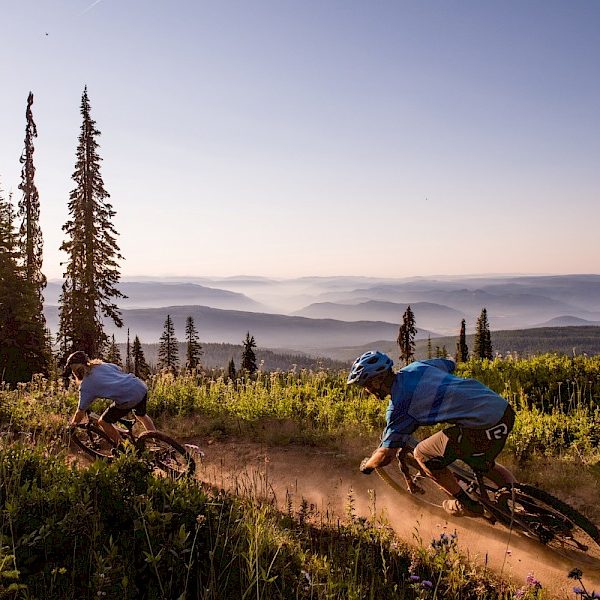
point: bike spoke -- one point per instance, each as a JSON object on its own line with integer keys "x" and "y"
{"x": 93, "y": 441}
{"x": 168, "y": 459}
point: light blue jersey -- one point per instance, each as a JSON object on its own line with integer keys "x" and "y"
{"x": 425, "y": 393}
{"x": 106, "y": 380}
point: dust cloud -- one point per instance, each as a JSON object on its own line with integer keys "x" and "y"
{"x": 327, "y": 483}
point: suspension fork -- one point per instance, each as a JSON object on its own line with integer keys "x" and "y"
{"x": 413, "y": 487}
{"x": 482, "y": 493}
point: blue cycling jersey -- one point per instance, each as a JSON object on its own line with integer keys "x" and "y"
{"x": 106, "y": 380}
{"x": 425, "y": 393}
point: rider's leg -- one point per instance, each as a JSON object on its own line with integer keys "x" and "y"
{"x": 111, "y": 415}
{"x": 500, "y": 475}
{"x": 442, "y": 475}
{"x": 444, "y": 478}
{"x": 139, "y": 410}
{"x": 110, "y": 431}
{"x": 146, "y": 421}
{"x": 433, "y": 454}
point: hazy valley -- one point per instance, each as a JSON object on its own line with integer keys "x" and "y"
{"x": 325, "y": 315}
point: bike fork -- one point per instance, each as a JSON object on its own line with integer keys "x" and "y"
{"x": 479, "y": 491}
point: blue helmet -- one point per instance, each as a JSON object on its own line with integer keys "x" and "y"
{"x": 370, "y": 364}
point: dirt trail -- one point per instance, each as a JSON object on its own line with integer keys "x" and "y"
{"x": 325, "y": 479}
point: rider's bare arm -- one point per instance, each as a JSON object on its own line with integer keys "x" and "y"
{"x": 379, "y": 458}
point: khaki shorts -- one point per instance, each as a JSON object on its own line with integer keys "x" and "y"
{"x": 476, "y": 447}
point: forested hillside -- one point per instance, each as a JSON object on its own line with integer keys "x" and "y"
{"x": 524, "y": 342}
{"x": 217, "y": 356}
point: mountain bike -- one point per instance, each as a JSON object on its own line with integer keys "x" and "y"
{"x": 168, "y": 457}
{"x": 520, "y": 507}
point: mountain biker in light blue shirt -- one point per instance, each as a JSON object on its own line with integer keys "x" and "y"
{"x": 98, "y": 379}
{"x": 426, "y": 393}
{"x": 107, "y": 380}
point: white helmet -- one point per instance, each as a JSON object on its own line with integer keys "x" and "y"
{"x": 370, "y": 364}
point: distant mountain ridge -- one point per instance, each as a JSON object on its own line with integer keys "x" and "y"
{"x": 217, "y": 356}
{"x": 352, "y": 309}
{"x": 230, "y": 326}
{"x": 144, "y": 294}
{"x": 568, "y": 321}
{"x": 428, "y": 315}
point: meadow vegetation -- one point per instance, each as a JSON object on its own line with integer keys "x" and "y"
{"x": 114, "y": 530}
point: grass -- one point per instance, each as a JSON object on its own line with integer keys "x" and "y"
{"x": 114, "y": 531}
{"x": 130, "y": 532}
{"x": 556, "y": 398}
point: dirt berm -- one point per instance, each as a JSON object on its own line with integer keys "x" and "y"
{"x": 326, "y": 478}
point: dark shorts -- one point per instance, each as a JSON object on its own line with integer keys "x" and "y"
{"x": 477, "y": 447}
{"x": 113, "y": 413}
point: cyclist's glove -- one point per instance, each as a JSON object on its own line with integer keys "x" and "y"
{"x": 364, "y": 469}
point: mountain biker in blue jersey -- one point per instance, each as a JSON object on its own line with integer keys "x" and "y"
{"x": 425, "y": 393}
{"x": 98, "y": 379}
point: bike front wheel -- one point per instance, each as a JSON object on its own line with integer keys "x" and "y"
{"x": 92, "y": 440}
{"x": 413, "y": 481}
{"x": 169, "y": 457}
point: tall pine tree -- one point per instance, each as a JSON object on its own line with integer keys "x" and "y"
{"x": 92, "y": 272}
{"x": 248, "y": 355}
{"x": 30, "y": 234}
{"x": 406, "y": 336}
{"x": 193, "y": 348}
{"x": 168, "y": 352}
{"x": 113, "y": 354}
{"x": 128, "y": 362}
{"x": 23, "y": 344}
{"x": 231, "y": 373}
{"x": 462, "y": 350}
{"x": 482, "y": 344}
{"x": 141, "y": 368}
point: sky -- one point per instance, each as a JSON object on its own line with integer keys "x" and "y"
{"x": 285, "y": 139}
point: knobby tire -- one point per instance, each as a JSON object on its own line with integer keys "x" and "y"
{"x": 168, "y": 455}
{"x": 93, "y": 441}
{"x": 563, "y": 509}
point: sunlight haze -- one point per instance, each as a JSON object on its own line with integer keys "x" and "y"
{"x": 285, "y": 139}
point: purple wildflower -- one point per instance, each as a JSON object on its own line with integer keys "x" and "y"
{"x": 531, "y": 580}
{"x": 415, "y": 578}
{"x": 577, "y": 590}
{"x": 520, "y": 593}
{"x": 427, "y": 584}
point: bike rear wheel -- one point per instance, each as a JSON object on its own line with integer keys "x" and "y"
{"x": 551, "y": 521}
{"x": 93, "y": 441}
{"x": 169, "y": 457}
